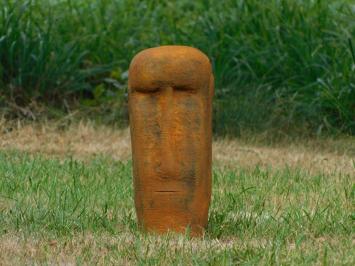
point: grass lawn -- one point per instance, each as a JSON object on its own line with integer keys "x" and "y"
{"x": 74, "y": 208}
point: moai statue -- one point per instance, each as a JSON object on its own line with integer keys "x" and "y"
{"x": 170, "y": 107}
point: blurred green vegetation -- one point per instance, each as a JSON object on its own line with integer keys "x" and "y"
{"x": 281, "y": 66}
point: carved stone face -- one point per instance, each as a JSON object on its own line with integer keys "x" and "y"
{"x": 170, "y": 96}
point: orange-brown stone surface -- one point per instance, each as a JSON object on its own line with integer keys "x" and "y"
{"x": 170, "y": 106}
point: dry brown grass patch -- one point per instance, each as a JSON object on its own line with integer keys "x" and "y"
{"x": 85, "y": 139}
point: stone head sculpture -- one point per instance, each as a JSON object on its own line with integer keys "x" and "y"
{"x": 170, "y": 106}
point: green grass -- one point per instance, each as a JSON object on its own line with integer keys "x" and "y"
{"x": 54, "y": 210}
{"x": 286, "y": 66}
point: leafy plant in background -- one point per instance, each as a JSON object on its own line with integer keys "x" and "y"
{"x": 37, "y": 63}
{"x": 280, "y": 66}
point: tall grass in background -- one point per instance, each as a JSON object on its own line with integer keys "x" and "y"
{"x": 285, "y": 66}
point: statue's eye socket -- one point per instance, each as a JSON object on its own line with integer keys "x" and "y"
{"x": 185, "y": 88}
{"x": 146, "y": 90}
{"x": 158, "y": 89}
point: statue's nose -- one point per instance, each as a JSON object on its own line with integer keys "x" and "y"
{"x": 167, "y": 131}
